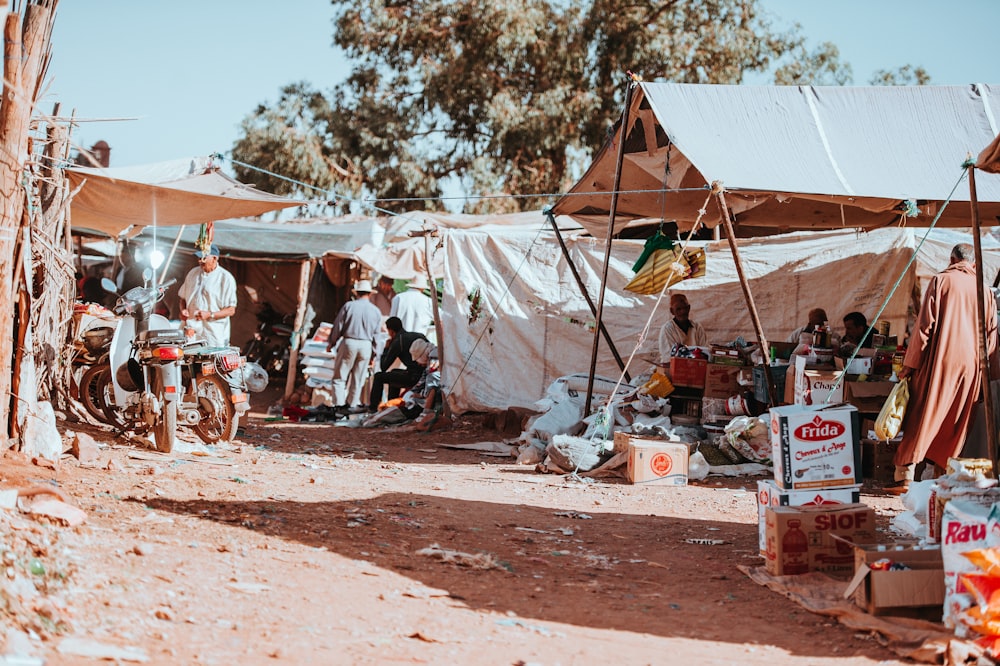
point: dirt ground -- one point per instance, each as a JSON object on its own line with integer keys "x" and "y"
{"x": 302, "y": 544}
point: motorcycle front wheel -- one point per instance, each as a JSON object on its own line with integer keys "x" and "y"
{"x": 165, "y": 427}
{"x": 96, "y": 395}
{"x": 219, "y": 419}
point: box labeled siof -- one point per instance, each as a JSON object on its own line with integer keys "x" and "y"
{"x": 815, "y": 447}
{"x": 769, "y": 495}
{"x": 800, "y": 539}
{"x": 721, "y": 380}
{"x": 881, "y": 590}
{"x": 657, "y": 462}
{"x": 688, "y": 372}
{"x": 816, "y": 384}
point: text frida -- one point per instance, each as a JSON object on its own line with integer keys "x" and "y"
{"x": 819, "y": 430}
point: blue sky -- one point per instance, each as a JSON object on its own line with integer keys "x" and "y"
{"x": 190, "y": 70}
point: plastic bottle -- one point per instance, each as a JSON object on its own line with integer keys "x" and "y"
{"x": 795, "y": 546}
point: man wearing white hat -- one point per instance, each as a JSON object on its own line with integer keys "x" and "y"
{"x": 414, "y": 308}
{"x": 356, "y": 327}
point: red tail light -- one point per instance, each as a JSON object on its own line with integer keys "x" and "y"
{"x": 168, "y": 353}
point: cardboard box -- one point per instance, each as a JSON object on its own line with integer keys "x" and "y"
{"x": 862, "y": 364}
{"x": 816, "y": 384}
{"x": 867, "y": 396}
{"x": 800, "y": 539}
{"x": 721, "y": 380}
{"x": 815, "y": 447}
{"x": 877, "y": 459}
{"x": 769, "y": 494}
{"x": 688, "y": 372}
{"x": 657, "y": 461}
{"x": 885, "y": 592}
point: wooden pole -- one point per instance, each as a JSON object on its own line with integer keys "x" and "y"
{"x": 438, "y": 328}
{"x": 586, "y": 295}
{"x": 305, "y": 276}
{"x": 607, "y": 246}
{"x": 984, "y": 358}
{"x": 758, "y": 329}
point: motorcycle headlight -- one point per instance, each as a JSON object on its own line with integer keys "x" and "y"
{"x": 255, "y": 377}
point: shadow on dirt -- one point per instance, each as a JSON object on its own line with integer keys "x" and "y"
{"x": 624, "y": 572}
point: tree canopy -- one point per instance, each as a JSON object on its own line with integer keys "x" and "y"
{"x": 505, "y": 99}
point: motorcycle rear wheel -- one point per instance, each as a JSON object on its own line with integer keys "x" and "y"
{"x": 96, "y": 395}
{"x": 165, "y": 427}
{"x": 219, "y": 419}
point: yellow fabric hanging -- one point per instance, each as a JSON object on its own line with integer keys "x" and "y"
{"x": 890, "y": 418}
{"x": 667, "y": 267}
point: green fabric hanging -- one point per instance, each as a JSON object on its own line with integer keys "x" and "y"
{"x": 655, "y": 242}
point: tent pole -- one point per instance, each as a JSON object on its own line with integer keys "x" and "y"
{"x": 173, "y": 251}
{"x": 607, "y": 245}
{"x": 758, "y": 329}
{"x": 984, "y": 359}
{"x": 583, "y": 290}
{"x": 305, "y": 276}
{"x": 438, "y": 328}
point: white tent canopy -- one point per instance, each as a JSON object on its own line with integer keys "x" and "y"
{"x": 187, "y": 191}
{"x": 794, "y": 157}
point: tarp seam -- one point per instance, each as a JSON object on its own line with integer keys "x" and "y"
{"x": 984, "y": 95}
{"x": 809, "y": 91}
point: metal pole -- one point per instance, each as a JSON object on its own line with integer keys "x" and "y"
{"x": 984, "y": 359}
{"x": 758, "y": 329}
{"x": 583, "y": 290}
{"x": 607, "y": 245}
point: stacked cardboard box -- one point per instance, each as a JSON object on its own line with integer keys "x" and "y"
{"x": 817, "y": 472}
{"x": 654, "y": 461}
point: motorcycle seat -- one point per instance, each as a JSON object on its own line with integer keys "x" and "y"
{"x": 168, "y": 337}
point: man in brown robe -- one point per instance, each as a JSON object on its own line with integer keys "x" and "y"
{"x": 943, "y": 362}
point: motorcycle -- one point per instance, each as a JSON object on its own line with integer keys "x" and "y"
{"x": 271, "y": 343}
{"x": 146, "y": 350}
{"x": 217, "y": 381}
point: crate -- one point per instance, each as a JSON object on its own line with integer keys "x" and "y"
{"x": 778, "y": 373}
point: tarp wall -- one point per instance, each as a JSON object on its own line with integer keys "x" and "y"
{"x": 514, "y": 319}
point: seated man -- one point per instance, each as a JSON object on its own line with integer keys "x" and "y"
{"x": 680, "y": 330}
{"x": 423, "y": 400}
{"x": 816, "y": 318}
{"x": 397, "y": 379}
{"x": 855, "y": 325}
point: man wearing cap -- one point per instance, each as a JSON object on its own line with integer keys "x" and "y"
{"x": 383, "y": 295}
{"x": 398, "y": 349}
{"x": 414, "y": 307}
{"x": 208, "y": 299}
{"x": 356, "y": 328}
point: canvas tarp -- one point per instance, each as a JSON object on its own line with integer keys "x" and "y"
{"x": 514, "y": 319}
{"x": 794, "y": 157}
{"x": 165, "y": 194}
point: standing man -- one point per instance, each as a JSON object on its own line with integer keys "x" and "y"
{"x": 944, "y": 364}
{"x": 396, "y": 378}
{"x": 208, "y": 299}
{"x": 680, "y": 330}
{"x": 356, "y": 327}
{"x": 414, "y": 308}
{"x": 383, "y": 295}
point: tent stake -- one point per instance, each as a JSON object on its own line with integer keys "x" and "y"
{"x": 302, "y": 302}
{"x": 607, "y": 246}
{"x": 984, "y": 359}
{"x": 761, "y": 340}
{"x": 438, "y": 327}
{"x": 583, "y": 290}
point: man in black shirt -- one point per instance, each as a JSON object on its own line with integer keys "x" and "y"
{"x": 396, "y": 379}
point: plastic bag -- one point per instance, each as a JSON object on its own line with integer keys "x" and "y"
{"x": 890, "y": 418}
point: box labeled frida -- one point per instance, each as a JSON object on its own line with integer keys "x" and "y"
{"x": 881, "y": 590}
{"x": 815, "y": 447}
{"x": 800, "y": 538}
{"x": 769, "y": 494}
{"x": 657, "y": 461}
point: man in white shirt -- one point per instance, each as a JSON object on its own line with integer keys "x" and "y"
{"x": 680, "y": 330}
{"x": 208, "y": 299}
{"x": 414, "y": 308}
